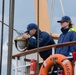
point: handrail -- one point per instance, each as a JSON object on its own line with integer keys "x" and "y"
{"x": 28, "y": 60}
{"x": 43, "y": 48}
{"x": 55, "y": 36}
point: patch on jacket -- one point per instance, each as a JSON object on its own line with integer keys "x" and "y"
{"x": 72, "y": 29}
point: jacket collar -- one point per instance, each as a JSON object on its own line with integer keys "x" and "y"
{"x": 37, "y": 33}
{"x": 64, "y": 30}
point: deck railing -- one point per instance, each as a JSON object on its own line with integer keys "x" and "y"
{"x": 43, "y": 48}
{"x": 16, "y": 56}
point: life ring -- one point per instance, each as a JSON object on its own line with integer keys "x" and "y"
{"x": 61, "y": 60}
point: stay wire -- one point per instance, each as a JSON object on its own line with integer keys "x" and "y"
{"x": 8, "y": 26}
{"x": 63, "y": 12}
{"x": 2, "y": 31}
{"x": 52, "y": 11}
{"x": 38, "y": 37}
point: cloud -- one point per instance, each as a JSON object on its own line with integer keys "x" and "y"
{"x": 5, "y": 47}
{"x": 5, "y": 50}
{"x": 4, "y": 59}
{"x": 24, "y": 16}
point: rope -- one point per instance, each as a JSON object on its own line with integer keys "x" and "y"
{"x": 38, "y": 38}
{"x": 3, "y": 5}
{"x": 10, "y": 37}
{"x": 13, "y": 29}
{"x": 52, "y": 10}
{"x": 62, "y": 7}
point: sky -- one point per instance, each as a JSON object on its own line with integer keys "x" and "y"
{"x": 25, "y": 14}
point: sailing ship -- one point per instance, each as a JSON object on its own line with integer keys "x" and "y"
{"x": 55, "y": 63}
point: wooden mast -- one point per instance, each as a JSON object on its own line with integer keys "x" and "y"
{"x": 44, "y": 23}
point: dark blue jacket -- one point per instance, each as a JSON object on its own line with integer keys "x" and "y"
{"x": 44, "y": 40}
{"x": 66, "y": 37}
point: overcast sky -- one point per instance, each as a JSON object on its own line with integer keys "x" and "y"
{"x": 25, "y": 14}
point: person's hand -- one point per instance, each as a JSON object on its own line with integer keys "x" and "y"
{"x": 25, "y": 36}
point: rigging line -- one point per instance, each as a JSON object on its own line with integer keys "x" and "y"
{"x": 52, "y": 11}
{"x": 8, "y": 26}
{"x": 38, "y": 38}
{"x": 62, "y": 7}
{"x": 3, "y": 5}
{"x": 10, "y": 36}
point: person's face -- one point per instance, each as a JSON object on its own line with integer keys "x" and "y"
{"x": 64, "y": 24}
{"x": 32, "y": 32}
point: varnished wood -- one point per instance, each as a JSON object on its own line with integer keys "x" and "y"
{"x": 43, "y": 48}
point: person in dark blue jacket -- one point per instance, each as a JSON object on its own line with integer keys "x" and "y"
{"x": 68, "y": 34}
{"x": 44, "y": 39}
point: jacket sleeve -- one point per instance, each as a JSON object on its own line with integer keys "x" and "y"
{"x": 33, "y": 42}
{"x": 42, "y": 41}
{"x": 73, "y": 38}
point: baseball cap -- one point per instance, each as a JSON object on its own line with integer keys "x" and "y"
{"x": 31, "y": 26}
{"x": 64, "y": 19}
